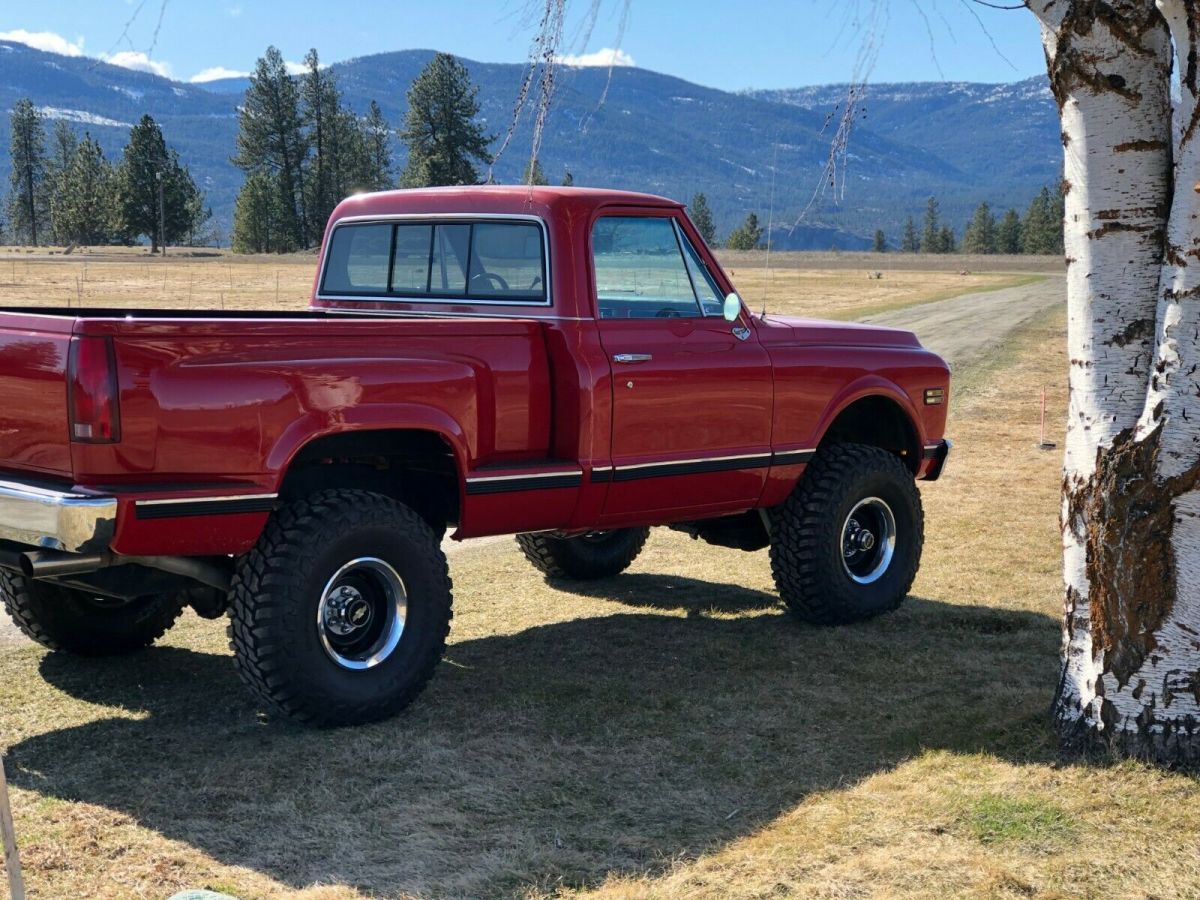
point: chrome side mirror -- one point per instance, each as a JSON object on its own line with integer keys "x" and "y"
{"x": 733, "y": 308}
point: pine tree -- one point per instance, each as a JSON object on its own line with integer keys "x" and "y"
{"x": 747, "y": 236}
{"x": 28, "y": 201}
{"x": 83, "y": 211}
{"x": 533, "y": 173}
{"x": 980, "y": 236}
{"x": 154, "y": 191}
{"x": 910, "y": 244}
{"x": 1008, "y": 233}
{"x": 271, "y": 139}
{"x": 63, "y": 144}
{"x": 568, "y": 179}
{"x": 321, "y": 108}
{"x": 378, "y": 136}
{"x": 1059, "y": 210}
{"x": 931, "y": 239}
{"x": 946, "y": 242}
{"x": 880, "y": 244}
{"x": 440, "y": 129}
{"x": 1042, "y": 230}
{"x": 261, "y": 223}
{"x": 702, "y": 218}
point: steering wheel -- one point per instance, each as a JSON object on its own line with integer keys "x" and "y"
{"x": 668, "y": 313}
{"x": 492, "y": 277}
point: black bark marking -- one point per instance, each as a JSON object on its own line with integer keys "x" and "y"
{"x": 1137, "y": 330}
{"x": 1113, "y": 227}
{"x": 1125, "y": 516}
{"x": 1142, "y": 146}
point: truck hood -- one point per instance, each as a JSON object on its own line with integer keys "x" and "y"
{"x": 792, "y": 329}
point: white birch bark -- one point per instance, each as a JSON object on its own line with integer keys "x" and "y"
{"x": 1156, "y": 708}
{"x": 1111, "y": 77}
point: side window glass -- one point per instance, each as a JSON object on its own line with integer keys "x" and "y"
{"x": 410, "y": 261}
{"x": 358, "y": 260}
{"x": 448, "y": 265}
{"x": 640, "y": 271}
{"x": 709, "y": 296}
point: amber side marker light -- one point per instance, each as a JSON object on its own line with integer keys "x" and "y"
{"x": 935, "y": 396}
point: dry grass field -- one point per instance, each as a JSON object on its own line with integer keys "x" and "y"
{"x": 666, "y": 733}
{"x": 837, "y": 286}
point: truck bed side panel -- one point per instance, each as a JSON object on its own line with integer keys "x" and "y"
{"x": 33, "y": 395}
{"x": 198, "y": 407}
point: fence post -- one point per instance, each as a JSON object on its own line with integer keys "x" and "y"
{"x": 12, "y": 862}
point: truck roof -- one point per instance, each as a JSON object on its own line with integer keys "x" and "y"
{"x": 493, "y": 199}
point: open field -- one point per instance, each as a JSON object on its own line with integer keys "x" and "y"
{"x": 808, "y": 284}
{"x": 666, "y": 733}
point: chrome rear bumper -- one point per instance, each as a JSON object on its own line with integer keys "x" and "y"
{"x": 59, "y": 520}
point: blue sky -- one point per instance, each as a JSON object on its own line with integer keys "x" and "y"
{"x": 719, "y": 43}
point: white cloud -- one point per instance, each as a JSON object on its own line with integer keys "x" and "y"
{"x": 605, "y": 56}
{"x": 47, "y": 41}
{"x": 215, "y": 73}
{"x": 299, "y": 68}
{"x": 233, "y": 12}
{"x": 139, "y": 62}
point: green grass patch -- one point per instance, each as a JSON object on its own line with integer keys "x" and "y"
{"x": 999, "y": 819}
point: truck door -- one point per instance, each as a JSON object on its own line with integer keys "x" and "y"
{"x": 692, "y": 393}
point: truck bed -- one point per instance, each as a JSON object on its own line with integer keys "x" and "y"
{"x": 214, "y": 395}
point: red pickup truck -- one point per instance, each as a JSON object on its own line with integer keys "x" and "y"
{"x": 568, "y": 365}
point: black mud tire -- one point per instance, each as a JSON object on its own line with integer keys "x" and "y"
{"x": 807, "y": 536}
{"x": 73, "y": 621}
{"x": 277, "y": 590}
{"x": 584, "y": 558}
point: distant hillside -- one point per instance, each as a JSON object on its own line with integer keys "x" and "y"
{"x": 653, "y": 132}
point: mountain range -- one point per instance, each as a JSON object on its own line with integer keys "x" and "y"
{"x": 760, "y": 151}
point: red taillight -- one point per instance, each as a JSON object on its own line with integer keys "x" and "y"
{"x": 95, "y": 415}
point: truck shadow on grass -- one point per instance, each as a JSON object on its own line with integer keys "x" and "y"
{"x": 558, "y": 755}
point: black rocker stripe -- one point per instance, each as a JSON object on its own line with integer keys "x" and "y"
{"x": 526, "y": 483}
{"x": 188, "y": 508}
{"x": 701, "y": 466}
{"x": 691, "y": 467}
{"x": 792, "y": 457}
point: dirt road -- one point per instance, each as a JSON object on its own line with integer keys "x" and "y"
{"x": 959, "y": 329}
{"x": 963, "y": 327}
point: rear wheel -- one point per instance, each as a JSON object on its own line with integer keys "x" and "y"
{"x": 339, "y": 615}
{"x": 77, "y": 622}
{"x": 845, "y": 546}
{"x": 597, "y": 554}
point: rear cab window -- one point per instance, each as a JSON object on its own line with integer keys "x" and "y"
{"x": 489, "y": 261}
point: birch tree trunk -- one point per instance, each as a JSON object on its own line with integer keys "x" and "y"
{"x": 1131, "y": 514}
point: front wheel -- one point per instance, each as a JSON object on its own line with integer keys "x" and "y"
{"x": 339, "y": 614}
{"x": 845, "y": 546}
{"x": 597, "y": 554}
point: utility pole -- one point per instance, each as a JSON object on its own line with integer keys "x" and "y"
{"x": 162, "y": 243}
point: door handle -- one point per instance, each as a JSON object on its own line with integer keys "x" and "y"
{"x": 632, "y": 357}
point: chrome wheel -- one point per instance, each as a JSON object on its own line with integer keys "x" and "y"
{"x": 868, "y": 540}
{"x": 360, "y": 618}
